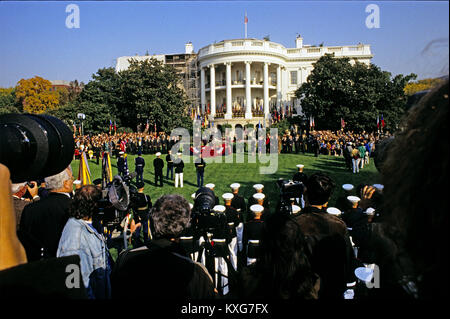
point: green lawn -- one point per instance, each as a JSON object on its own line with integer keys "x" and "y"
{"x": 247, "y": 174}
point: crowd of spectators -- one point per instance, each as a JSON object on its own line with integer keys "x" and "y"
{"x": 397, "y": 229}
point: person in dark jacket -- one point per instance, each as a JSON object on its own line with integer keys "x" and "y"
{"x": 42, "y": 222}
{"x": 158, "y": 164}
{"x": 163, "y": 268}
{"x": 332, "y": 256}
{"x": 139, "y": 163}
{"x": 169, "y": 161}
{"x": 179, "y": 167}
{"x": 200, "y": 168}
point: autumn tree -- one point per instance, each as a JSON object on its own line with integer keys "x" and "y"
{"x": 36, "y": 96}
{"x": 421, "y": 85}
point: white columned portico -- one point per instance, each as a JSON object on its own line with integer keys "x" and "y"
{"x": 248, "y": 91}
{"x": 202, "y": 90}
{"x": 229, "y": 113}
{"x": 212, "y": 75}
{"x": 278, "y": 85}
{"x": 266, "y": 89}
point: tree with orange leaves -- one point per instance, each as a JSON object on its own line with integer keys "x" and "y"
{"x": 36, "y": 96}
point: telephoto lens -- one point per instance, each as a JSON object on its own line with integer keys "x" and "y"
{"x": 34, "y": 146}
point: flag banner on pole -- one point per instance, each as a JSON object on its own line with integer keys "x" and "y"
{"x": 383, "y": 124}
{"x": 84, "y": 173}
{"x": 378, "y": 122}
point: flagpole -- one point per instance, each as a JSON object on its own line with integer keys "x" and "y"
{"x": 245, "y": 24}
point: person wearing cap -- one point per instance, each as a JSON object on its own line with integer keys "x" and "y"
{"x": 142, "y": 207}
{"x": 200, "y": 168}
{"x": 233, "y": 222}
{"x": 139, "y": 164}
{"x": 238, "y": 202}
{"x": 253, "y": 229}
{"x": 169, "y": 161}
{"x": 158, "y": 164}
{"x": 252, "y": 200}
{"x": 300, "y": 176}
{"x": 179, "y": 167}
{"x": 331, "y": 249}
{"x": 342, "y": 202}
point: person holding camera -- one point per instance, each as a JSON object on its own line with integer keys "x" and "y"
{"x": 80, "y": 238}
{"x": 42, "y": 222}
{"x": 163, "y": 266}
{"x": 19, "y": 191}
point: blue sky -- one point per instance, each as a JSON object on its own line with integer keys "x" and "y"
{"x": 413, "y": 36}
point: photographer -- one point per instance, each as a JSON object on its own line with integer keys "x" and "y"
{"x": 164, "y": 268}
{"x": 81, "y": 238}
{"x": 18, "y": 194}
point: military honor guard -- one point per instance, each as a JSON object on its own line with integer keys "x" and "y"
{"x": 238, "y": 202}
{"x": 252, "y": 200}
{"x": 139, "y": 164}
{"x": 233, "y": 222}
{"x": 158, "y": 164}
{"x": 252, "y": 234}
{"x": 122, "y": 164}
{"x": 300, "y": 176}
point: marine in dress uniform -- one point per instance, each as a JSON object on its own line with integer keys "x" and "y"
{"x": 252, "y": 201}
{"x": 252, "y": 233}
{"x": 158, "y": 164}
{"x": 142, "y": 211}
{"x": 200, "y": 168}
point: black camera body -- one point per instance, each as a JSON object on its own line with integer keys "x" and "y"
{"x": 118, "y": 197}
{"x": 204, "y": 219}
{"x": 288, "y": 190}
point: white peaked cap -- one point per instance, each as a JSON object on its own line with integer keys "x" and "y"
{"x": 348, "y": 187}
{"x": 258, "y": 186}
{"x": 219, "y": 208}
{"x": 295, "y": 209}
{"x": 370, "y": 211}
{"x": 193, "y": 196}
{"x": 191, "y": 205}
{"x": 259, "y": 196}
{"x": 227, "y": 196}
{"x": 77, "y": 182}
{"x": 210, "y": 185}
{"x": 364, "y": 274}
{"x": 235, "y": 185}
{"x": 353, "y": 199}
{"x": 300, "y": 165}
{"x": 158, "y": 154}
{"x": 179, "y": 153}
{"x": 378, "y": 186}
{"x": 256, "y": 208}
{"x": 333, "y": 211}
{"x": 121, "y": 152}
